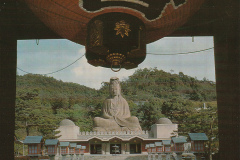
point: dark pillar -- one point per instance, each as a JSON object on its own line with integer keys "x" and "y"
{"x": 8, "y": 52}
{"x": 227, "y": 63}
{"x": 8, "y": 57}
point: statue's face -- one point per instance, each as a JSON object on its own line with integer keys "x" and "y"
{"x": 114, "y": 88}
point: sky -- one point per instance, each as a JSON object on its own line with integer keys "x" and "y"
{"x": 52, "y": 55}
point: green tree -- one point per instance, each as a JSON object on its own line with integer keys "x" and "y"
{"x": 27, "y": 103}
{"x": 178, "y": 109}
{"x": 149, "y": 112}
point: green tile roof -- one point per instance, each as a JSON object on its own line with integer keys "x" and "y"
{"x": 166, "y": 142}
{"x": 198, "y": 136}
{"x": 180, "y": 139}
{"x": 79, "y": 146}
{"x": 73, "y": 144}
{"x": 64, "y": 144}
{"x": 32, "y": 139}
{"x": 50, "y": 142}
{"x": 158, "y": 144}
{"x": 152, "y": 145}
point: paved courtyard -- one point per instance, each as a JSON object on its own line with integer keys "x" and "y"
{"x": 118, "y": 157}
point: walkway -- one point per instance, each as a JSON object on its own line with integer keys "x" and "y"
{"x": 117, "y": 157}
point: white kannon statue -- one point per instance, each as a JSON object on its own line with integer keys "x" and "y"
{"x": 116, "y": 115}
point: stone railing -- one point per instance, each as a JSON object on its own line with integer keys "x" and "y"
{"x": 116, "y": 133}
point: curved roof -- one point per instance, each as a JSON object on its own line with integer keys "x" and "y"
{"x": 164, "y": 121}
{"x": 73, "y": 144}
{"x": 166, "y": 142}
{"x": 158, "y": 144}
{"x": 32, "y": 139}
{"x": 180, "y": 139}
{"x": 198, "y": 136}
{"x": 66, "y": 122}
{"x": 64, "y": 144}
{"x": 50, "y": 142}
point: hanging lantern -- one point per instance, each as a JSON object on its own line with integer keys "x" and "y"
{"x": 115, "y": 32}
{"x": 116, "y": 40}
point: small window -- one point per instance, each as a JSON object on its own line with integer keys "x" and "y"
{"x": 198, "y": 146}
{"x": 32, "y": 149}
{"x": 159, "y": 149}
{"x": 63, "y": 150}
{"x": 71, "y": 150}
{"x": 167, "y": 149}
{"x": 179, "y": 147}
{"x": 77, "y": 151}
{"x": 51, "y": 149}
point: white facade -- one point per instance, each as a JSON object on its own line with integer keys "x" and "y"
{"x": 164, "y": 131}
{"x": 68, "y": 130}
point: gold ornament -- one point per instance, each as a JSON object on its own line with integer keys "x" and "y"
{"x": 122, "y": 28}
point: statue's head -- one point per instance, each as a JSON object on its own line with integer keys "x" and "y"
{"x": 114, "y": 87}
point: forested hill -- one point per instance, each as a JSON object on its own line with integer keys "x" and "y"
{"x": 48, "y": 86}
{"x": 42, "y": 102}
{"x": 149, "y": 83}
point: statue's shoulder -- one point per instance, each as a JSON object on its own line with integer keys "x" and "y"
{"x": 123, "y": 100}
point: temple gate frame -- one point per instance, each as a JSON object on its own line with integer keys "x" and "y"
{"x": 227, "y": 64}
